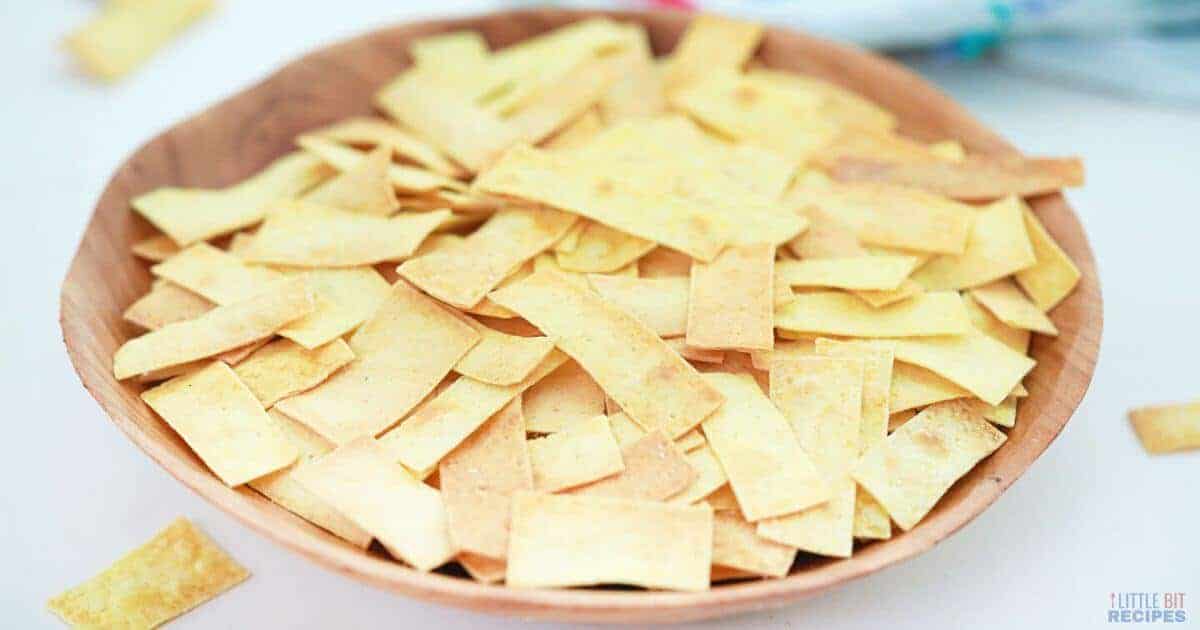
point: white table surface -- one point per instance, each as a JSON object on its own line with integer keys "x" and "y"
{"x": 1094, "y": 515}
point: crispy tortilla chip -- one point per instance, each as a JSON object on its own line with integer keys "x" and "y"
{"x": 663, "y": 262}
{"x": 986, "y": 322}
{"x": 731, "y": 303}
{"x": 402, "y": 177}
{"x": 166, "y": 303}
{"x": 910, "y": 470}
{"x": 408, "y": 517}
{"x": 282, "y": 368}
{"x": 723, "y": 500}
{"x": 172, "y": 573}
{"x": 974, "y": 361}
{"x": 105, "y": 48}
{"x": 457, "y": 60}
{"x": 638, "y": 93}
{"x": 768, "y": 471}
{"x": 602, "y": 249}
{"x": 835, "y": 313}
{"x": 565, "y": 397}
{"x": 826, "y": 237}
{"x": 710, "y": 43}
{"x": 626, "y": 431}
{"x": 191, "y": 215}
{"x": 1012, "y": 307}
{"x": 374, "y": 132}
{"x": 1167, "y": 428}
{"x": 345, "y": 298}
{"x": 880, "y": 299}
{"x": 214, "y": 274}
{"x": 1054, "y": 275}
{"x": 836, "y": 103}
{"x": 222, "y": 421}
{"x": 501, "y": 359}
{"x": 402, "y": 352}
{"x": 709, "y": 476}
{"x": 552, "y": 106}
{"x": 858, "y": 142}
{"x": 478, "y": 479}
{"x": 308, "y": 235}
{"x": 700, "y": 355}
{"x": 482, "y": 568}
{"x": 783, "y": 350}
{"x": 1002, "y": 415}
{"x": 737, "y": 545}
{"x": 572, "y": 540}
{"x": 463, "y": 273}
{"x": 155, "y": 248}
{"x": 913, "y": 387}
{"x": 998, "y": 246}
{"x": 653, "y": 384}
{"x": 882, "y": 273}
{"x": 659, "y": 303}
{"x": 974, "y": 178}
{"x": 223, "y": 328}
{"x": 579, "y": 454}
{"x": 364, "y": 187}
{"x": 578, "y": 132}
{"x": 654, "y": 470}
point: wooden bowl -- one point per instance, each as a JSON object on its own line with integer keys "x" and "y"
{"x": 241, "y": 134}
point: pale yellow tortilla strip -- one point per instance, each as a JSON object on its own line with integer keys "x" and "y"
{"x": 553, "y": 105}
{"x": 659, "y": 303}
{"x": 653, "y": 384}
{"x": 402, "y": 177}
{"x": 165, "y": 303}
{"x": 972, "y": 178}
{"x": 998, "y": 246}
{"x": 731, "y": 303}
{"x": 375, "y": 132}
{"x": 190, "y": 215}
{"x": 282, "y": 488}
{"x": 457, "y": 59}
{"x": 859, "y": 142}
{"x": 910, "y": 470}
{"x": 976, "y": 362}
{"x": 222, "y": 421}
{"x": 1167, "y": 428}
{"x": 709, "y": 476}
{"x": 914, "y": 387}
{"x": 578, "y": 132}
{"x": 663, "y": 262}
{"x": 710, "y": 43}
{"x": 345, "y": 298}
{"x": 691, "y": 353}
{"x": 826, "y": 237}
{"x": 783, "y": 350}
{"x": 403, "y": 351}
{"x": 104, "y": 47}
{"x": 626, "y": 431}
{"x": 566, "y": 396}
{"x": 883, "y": 273}
{"x": 572, "y": 540}
{"x": 502, "y": 359}
{"x": 758, "y": 450}
{"x": 363, "y": 188}
{"x": 603, "y": 249}
{"x": 172, "y": 573}
{"x": 897, "y": 420}
{"x": 1001, "y": 415}
{"x": 822, "y": 400}
{"x": 638, "y": 93}
{"x": 879, "y": 299}
{"x": 581, "y": 453}
{"x": 308, "y": 235}
{"x": 478, "y": 479}
{"x": 892, "y": 216}
{"x": 842, "y": 106}
{"x": 155, "y": 248}
{"x": 282, "y": 368}
{"x": 462, "y": 273}
{"x": 983, "y": 320}
{"x": 218, "y": 276}
{"x": 444, "y": 421}
{"x": 836, "y": 313}
{"x": 223, "y": 328}
{"x": 1053, "y": 276}
{"x": 1012, "y": 307}
{"x": 737, "y": 545}
{"x": 363, "y": 483}
{"x": 655, "y": 469}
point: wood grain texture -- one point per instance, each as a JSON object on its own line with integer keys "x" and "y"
{"x": 238, "y": 136}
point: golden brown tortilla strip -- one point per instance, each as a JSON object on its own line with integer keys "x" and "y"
{"x": 579, "y": 454}
{"x": 974, "y": 361}
{"x": 155, "y": 248}
{"x": 566, "y": 396}
{"x": 767, "y": 469}
{"x": 222, "y": 421}
{"x": 104, "y": 47}
{"x": 214, "y": 274}
{"x": 731, "y": 302}
{"x": 502, "y": 359}
{"x": 165, "y": 303}
{"x": 910, "y": 470}
{"x": 627, "y": 541}
{"x": 363, "y": 188}
{"x": 974, "y": 178}
{"x": 1054, "y": 275}
{"x": 654, "y": 470}
{"x": 1167, "y": 428}
{"x": 375, "y": 132}
{"x": 859, "y": 142}
{"x": 362, "y": 482}
{"x": 223, "y": 328}
{"x": 897, "y": 420}
{"x": 998, "y": 246}
{"x": 659, "y": 303}
{"x": 283, "y": 367}
{"x": 602, "y": 249}
{"x": 462, "y": 273}
{"x": 737, "y": 545}
{"x": 172, "y": 573}
{"x": 650, "y": 382}
{"x": 710, "y": 43}
{"x": 402, "y": 352}
{"x": 835, "y": 313}
{"x": 1012, "y": 307}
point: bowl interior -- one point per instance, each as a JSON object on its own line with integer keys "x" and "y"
{"x": 236, "y": 137}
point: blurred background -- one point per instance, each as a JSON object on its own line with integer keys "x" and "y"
{"x": 1115, "y": 81}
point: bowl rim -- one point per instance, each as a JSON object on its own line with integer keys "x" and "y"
{"x": 592, "y": 604}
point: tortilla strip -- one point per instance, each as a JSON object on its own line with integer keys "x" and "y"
{"x": 554, "y": 105}
{"x": 576, "y": 133}
{"x": 663, "y": 262}
{"x": 638, "y": 93}
{"x": 565, "y": 397}
{"x": 654, "y": 470}
{"x": 858, "y": 142}
{"x": 444, "y": 421}
{"x": 282, "y": 488}
{"x": 573, "y": 540}
{"x": 403, "y": 351}
{"x": 364, "y": 187}
{"x": 1002, "y": 415}
{"x": 731, "y": 300}
{"x": 1010, "y": 306}
{"x": 709, "y": 476}
{"x": 879, "y": 299}
{"x": 897, "y": 420}
{"x": 626, "y": 431}
{"x": 165, "y": 303}
{"x": 501, "y": 359}
{"x": 223, "y": 328}
{"x": 345, "y": 298}
{"x": 974, "y": 178}
{"x": 362, "y": 482}
{"x": 986, "y": 322}
{"x": 1167, "y": 428}
{"x": 579, "y": 454}
{"x": 282, "y": 368}
{"x": 710, "y": 43}
{"x": 784, "y": 350}
{"x": 892, "y": 216}
{"x": 155, "y": 248}
{"x": 214, "y": 274}
{"x": 910, "y": 470}
{"x": 915, "y": 387}
{"x": 190, "y": 215}
{"x": 826, "y": 237}
{"x": 172, "y": 573}
{"x": 104, "y": 48}
{"x": 737, "y": 545}
{"x": 998, "y": 246}
{"x": 375, "y": 132}
{"x": 974, "y": 361}
{"x": 653, "y": 384}
{"x": 462, "y": 273}
{"x": 835, "y": 313}
{"x": 229, "y": 357}
{"x": 883, "y": 273}
{"x": 478, "y": 479}
{"x": 308, "y": 235}
{"x": 846, "y": 108}
{"x": 603, "y": 249}
{"x": 699, "y": 355}
{"x": 1054, "y": 275}
{"x": 758, "y": 450}
{"x": 222, "y": 421}
{"x": 482, "y": 568}
{"x": 402, "y": 177}
{"x": 659, "y": 303}
{"x": 460, "y": 56}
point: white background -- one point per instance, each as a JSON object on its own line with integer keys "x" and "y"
{"x": 1094, "y": 514}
